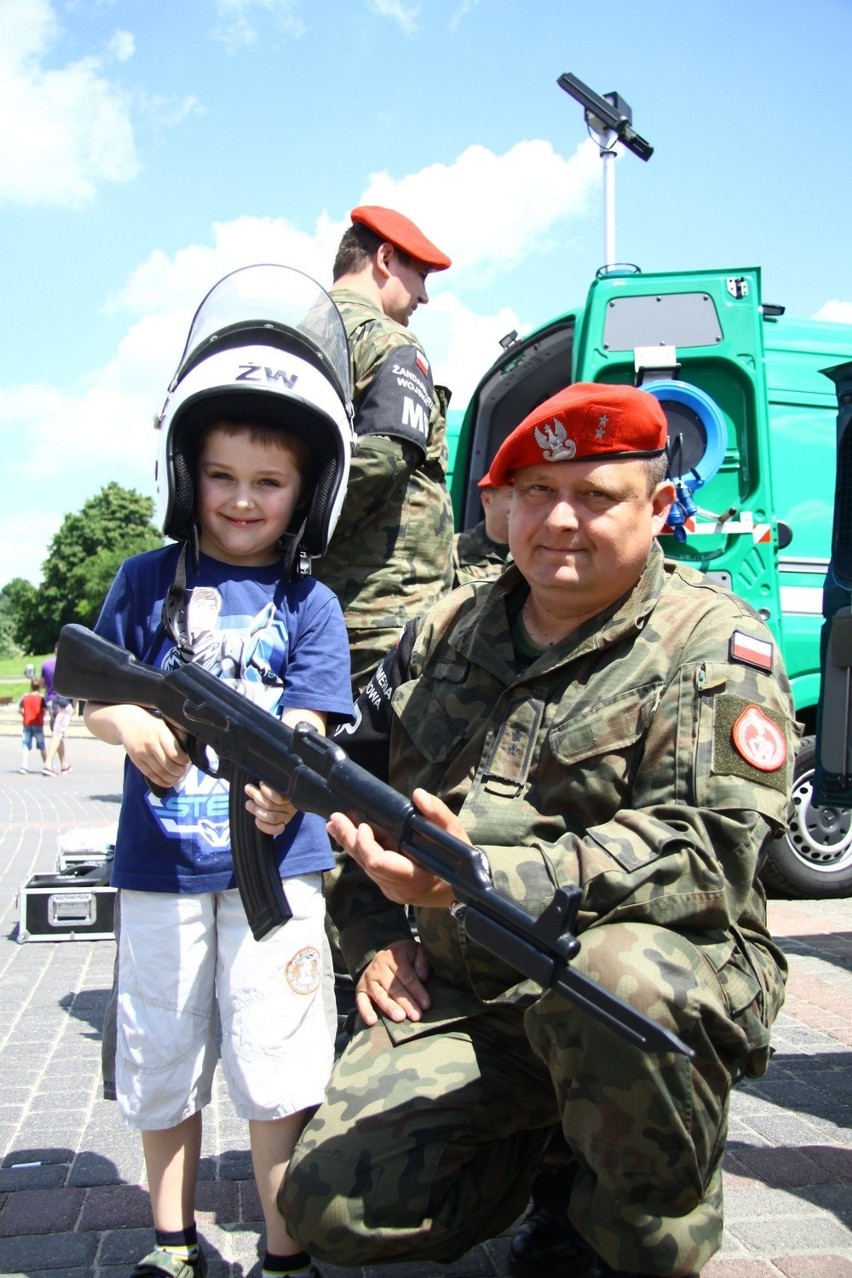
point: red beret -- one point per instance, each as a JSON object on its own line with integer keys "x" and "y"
{"x": 588, "y": 419}
{"x": 402, "y": 232}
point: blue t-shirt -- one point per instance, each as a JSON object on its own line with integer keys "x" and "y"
{"x": 283, "y": 645}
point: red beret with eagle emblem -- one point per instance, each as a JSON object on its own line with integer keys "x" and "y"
{"x": 584, "y": 421}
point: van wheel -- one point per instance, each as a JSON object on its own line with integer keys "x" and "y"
{"x": 814, "y": 857}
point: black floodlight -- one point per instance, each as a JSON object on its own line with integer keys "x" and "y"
{"x": 609, "y": 113}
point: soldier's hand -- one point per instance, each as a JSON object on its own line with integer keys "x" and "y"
{"x": 392, "y": 983}
{"x": 400, "y": 878}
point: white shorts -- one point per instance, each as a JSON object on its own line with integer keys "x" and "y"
{"x": 183, "y": 958}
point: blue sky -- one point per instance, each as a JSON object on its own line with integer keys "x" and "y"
{"x": 147, "y": 149}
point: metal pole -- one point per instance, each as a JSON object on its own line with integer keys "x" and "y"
{"x": 608, "y": 156}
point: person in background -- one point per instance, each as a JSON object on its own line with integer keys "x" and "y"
{"x": 32, "y": 709}
{"x": 599, "y": 717}
{"x": 389, "y": 558}
{"x": 482, "y": 552}
{"x": 61, "y": 710}
{"x": 55, "y": 704}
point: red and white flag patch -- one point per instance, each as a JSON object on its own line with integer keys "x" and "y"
{"x": 751, "y": 651}
{"x": 759, "y": 740}
{"x": 422, "y": 363}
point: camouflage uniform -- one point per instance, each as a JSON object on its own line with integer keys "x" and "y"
{"x": 476, "y": 557}
{"x": 609, "y": 762}
{"x": 389, "y": 558}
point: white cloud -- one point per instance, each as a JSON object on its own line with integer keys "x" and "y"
{"x": 78, "y": 133}
{"x": 160, "y": 283}
{"x": 122, "y": 46}
{"x": 466, "y": 7}
{"x": 27, "y": 29}
{"x": 237, "y": 29}
{"x": 168, "y": 110}
{"x": 24, "y": 537}
{"x": 406, "y": 15}
{"x": 461, "y": 343}
{"x": 490, "y": 211}
{"x": 73, "y": 444}
{"x": 836, "y": 311}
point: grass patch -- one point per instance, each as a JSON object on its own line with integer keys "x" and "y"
{"x": 13, "y": 667}
{"x": 13, "y": 682}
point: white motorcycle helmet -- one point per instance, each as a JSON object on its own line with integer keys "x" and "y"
{"x": 266, "y": 342}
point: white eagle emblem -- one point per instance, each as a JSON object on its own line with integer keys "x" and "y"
{"x": 552, "y": 439}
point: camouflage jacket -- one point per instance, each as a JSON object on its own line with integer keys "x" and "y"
{"x": 389, "y": 558}
{"x": 476, "y": 557}
{"x": 610, "y": 763}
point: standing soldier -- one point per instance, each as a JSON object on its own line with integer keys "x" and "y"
{"x": 390, "y": 557}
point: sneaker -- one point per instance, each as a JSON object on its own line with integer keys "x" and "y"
{"x": 161, "y": 1263}
{"x": 25, "y": 772}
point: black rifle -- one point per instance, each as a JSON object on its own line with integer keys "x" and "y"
{"x": 317, "y": 776}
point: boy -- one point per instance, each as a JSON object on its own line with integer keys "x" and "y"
{"x": 32, "y": 707}
{"x": 184, "y": 942}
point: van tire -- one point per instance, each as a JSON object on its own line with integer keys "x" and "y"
{"x": 814, "y": 858}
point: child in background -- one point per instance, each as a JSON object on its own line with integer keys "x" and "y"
{"x": 249, "y": 492}
{"x": 32, "y": 708}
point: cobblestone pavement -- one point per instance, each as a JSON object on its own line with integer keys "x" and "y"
{"x": 72, "y": 1197}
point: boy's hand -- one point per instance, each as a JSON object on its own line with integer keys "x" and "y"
{"x": 271, "y": 810}
{"x": 152, "y": 746}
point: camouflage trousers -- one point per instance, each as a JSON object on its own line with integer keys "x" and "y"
{"x": 431, "y": 1133}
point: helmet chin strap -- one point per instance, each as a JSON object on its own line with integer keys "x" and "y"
{"x": 175, "y": 614}
{"x": 297, "y": 562}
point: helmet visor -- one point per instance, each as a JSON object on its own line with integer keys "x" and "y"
{"x": 277, "y": 303}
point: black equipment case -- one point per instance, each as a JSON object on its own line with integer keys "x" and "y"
{"x": 77, "y": 905}
{"x": 85, "y": 846}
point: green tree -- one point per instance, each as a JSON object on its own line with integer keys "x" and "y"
{"x": 81, "y": 562}
{"x": 13, "y": 597}
{"x": 17, "y": 601}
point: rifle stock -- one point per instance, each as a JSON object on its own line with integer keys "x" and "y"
{"x": 318, "y": 777}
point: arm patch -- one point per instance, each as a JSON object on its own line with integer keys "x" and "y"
{"x": 399, "y": 400}
{"x": 750, "y": 741}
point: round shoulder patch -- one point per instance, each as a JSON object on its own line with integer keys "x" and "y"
{"x": 303, "y": 971}
{"x": 759, "y": 740}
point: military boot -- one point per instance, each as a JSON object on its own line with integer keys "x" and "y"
{"x": 546, "y": 1242}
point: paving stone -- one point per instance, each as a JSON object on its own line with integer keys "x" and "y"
{"x": 40, "y": 1211}
{"x": 113, "y": 1207}
{"x": 46, "y": 1251}
{"x": 824, "y": 1266}
{"x": 44, "y": 1176}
